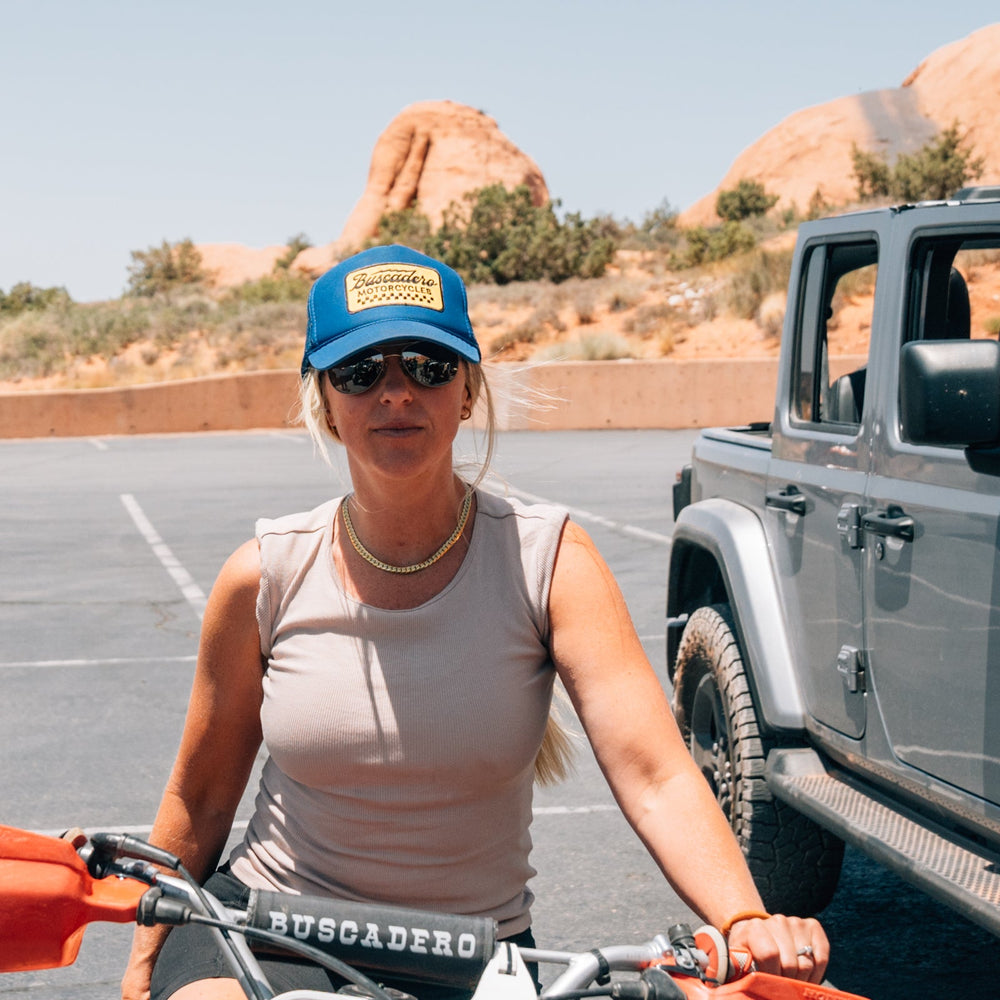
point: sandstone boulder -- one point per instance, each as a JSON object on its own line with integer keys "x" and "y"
{"x": 230, "y": 264}
{"x": 811, "y": 149}
{"x": 962, "y": 81}
{"x": 430, "y": 155}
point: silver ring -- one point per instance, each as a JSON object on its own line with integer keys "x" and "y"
{"x": 807, "y": 950}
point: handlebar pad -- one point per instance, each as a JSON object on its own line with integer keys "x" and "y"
{"x": 439, "y": 948}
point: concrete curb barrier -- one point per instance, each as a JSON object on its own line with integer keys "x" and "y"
{"x": 573, "y": 395}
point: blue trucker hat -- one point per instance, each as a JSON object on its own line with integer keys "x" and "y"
{"x": 383, "y": 294}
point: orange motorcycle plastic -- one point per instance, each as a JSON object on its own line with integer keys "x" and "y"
{"x": 47, "y": 897}
{"x": 761, "y": 986}
{"x": 750, "y": 985}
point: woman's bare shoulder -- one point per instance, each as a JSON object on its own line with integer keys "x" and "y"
{"x": 239, "y": 578}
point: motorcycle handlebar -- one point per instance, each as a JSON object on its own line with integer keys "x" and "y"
{"x": 403, "y": 943}
{"x": 49, "y": 896}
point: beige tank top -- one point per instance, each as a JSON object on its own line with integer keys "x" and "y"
{"x": 401, "y": 744}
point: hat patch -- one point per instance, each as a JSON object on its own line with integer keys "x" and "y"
{"x": 393, "y": 285}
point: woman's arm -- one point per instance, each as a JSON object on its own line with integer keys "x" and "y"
{"x": 218, "y": 746}
{"x": 669, "y": 804}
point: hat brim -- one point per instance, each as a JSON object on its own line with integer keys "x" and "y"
{"x": 383, "y": 332}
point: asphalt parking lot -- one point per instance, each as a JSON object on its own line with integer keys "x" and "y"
{"x": 109, "y": 547}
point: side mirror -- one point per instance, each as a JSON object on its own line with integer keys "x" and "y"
{"x": 949, "y": 392}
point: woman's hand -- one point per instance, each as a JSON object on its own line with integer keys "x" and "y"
{"x": 784, "y": 946}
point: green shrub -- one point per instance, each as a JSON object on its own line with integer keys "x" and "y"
{"x": 24, "y": 296}
{"x": 164, "y": 268}
{"x": 938, "y": 170}
{"x": 498, "y": 236}
{"x": 410, "y": 227}
{"x": 818, "y": 206}
{"x": 43, "y": 342}
{"x": 582, "y": 297}
{"x": 871, "y": 173}
{"x": 696, "y": 248}
{"x": 730, "y": 239}
{"x": 935, "y": 172}
{"x": 650, "y": 319}
{"x": 764, "y": 272}
{"x": 296, "y": 244}
{"x": 590, "y": 347}
{"x": 660, "y": 225}
{"x": 171, "y": 320}
{"x": 258, "y": 325}
{"x": 704, "y": 246}
{"x": 859, "y": 282}
{"x": 658, "y": 230}
{"x": 281, "y": 286}
{"x": 260, "y": 335}
{"x": 745, "y": 201}
{"x": 623, "y": 295}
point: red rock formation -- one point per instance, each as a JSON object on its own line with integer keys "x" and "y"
{"x": 430, "y": 155}
{"x": 811, "y": 149}
{"x": 962, "y": 81}
{"x": 229, "y": 264}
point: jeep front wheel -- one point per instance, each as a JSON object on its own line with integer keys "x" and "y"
{"x": 794, "y": 862}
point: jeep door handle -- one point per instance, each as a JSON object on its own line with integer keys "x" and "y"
{"x": 891, "y": 522}
{"x": 790, "y": 498}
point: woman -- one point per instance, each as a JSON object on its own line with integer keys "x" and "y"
{"x": 396, "y": 649}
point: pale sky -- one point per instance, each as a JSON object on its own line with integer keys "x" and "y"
{"x": 127, "y": 122}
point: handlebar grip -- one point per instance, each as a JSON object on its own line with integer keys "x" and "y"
{"x": 440, "y": 948}
{"x": 109, "y": 847}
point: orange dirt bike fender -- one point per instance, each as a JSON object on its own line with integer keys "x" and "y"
{"x": 47, "y": 898}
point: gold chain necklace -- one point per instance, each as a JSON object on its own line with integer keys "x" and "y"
{"x": 463, "y": 517}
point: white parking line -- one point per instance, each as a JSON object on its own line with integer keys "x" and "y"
{"x": 139, "y": 831}
{"x": 586, "y": 515}
{"x": 110, "y": 661}
{"x": 572, "y": 810}
{"x": 99, "y": 444}
{"x": 194, "y": 595}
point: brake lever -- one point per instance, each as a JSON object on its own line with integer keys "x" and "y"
{"x": 107, "y": 848}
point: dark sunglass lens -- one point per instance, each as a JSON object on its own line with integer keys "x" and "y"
{"x": 431, "y": 366}
{"x": 358, "y": 376}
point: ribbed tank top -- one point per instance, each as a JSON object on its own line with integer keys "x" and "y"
{"x": 401, "y": 744}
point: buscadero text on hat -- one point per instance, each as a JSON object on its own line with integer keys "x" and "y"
{"x": 391, "y": 284}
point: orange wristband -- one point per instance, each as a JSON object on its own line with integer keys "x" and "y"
{"x": 746, "y": 915}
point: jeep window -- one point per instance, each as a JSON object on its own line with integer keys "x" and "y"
{"x": 955, "y": 288}
{"x": 836, "y": 300}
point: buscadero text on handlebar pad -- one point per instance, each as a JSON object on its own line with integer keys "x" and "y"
{"x": 400, "y": 943}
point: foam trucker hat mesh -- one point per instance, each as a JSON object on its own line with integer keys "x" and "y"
{"x": 384, "y": 294}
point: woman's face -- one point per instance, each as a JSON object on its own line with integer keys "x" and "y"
{"x": 398, "y": 428}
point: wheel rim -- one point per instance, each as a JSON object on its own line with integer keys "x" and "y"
{"x": 709, "y": 741}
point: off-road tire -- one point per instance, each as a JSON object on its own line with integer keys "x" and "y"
{"x": 794, "y": 862}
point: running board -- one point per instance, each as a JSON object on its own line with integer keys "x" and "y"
{"x": 943, "y": 864}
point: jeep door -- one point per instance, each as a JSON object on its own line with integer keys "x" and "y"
{"x": 820, "y": 460}
{"x": 932, "y": 544}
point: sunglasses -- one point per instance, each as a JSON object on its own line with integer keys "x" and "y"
{"x": 427, "y": 364}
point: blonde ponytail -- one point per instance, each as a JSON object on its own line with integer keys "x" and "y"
{"x": 555, "y": 757}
